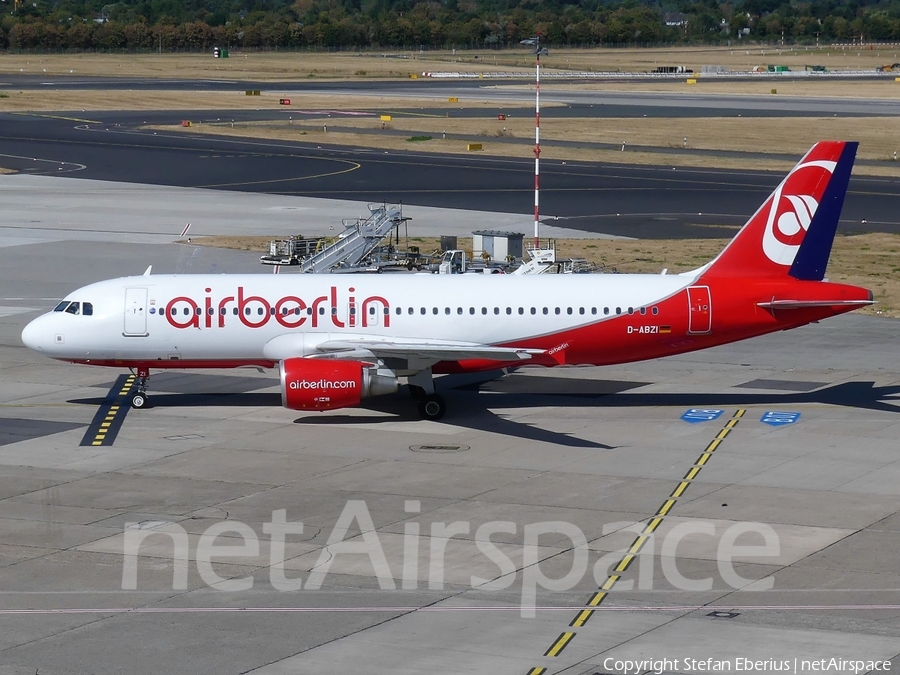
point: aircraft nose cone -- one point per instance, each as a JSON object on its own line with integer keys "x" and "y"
{"x": 33, "y": 335}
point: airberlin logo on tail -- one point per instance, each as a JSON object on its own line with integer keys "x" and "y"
{"x": 792, "y": 209}
{"x": 290, "y": 311}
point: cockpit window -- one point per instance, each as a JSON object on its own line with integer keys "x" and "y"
{"x": 73, "y": 308}
{"x": 87, "y": 309}
{"x": 61, "y": 306}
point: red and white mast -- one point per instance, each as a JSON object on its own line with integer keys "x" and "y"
{"x": 538, "y": 50}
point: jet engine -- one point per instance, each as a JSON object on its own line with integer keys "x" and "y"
{"x": 327, "y": 384}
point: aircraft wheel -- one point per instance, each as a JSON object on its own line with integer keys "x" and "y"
{"x": 432, "y": 407}
{"x": 139, "y": 400}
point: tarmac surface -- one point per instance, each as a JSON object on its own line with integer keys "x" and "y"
{"x": 677, "y": 104}
{"x": 600, "y": 198}
{"x": 796, "y": 432}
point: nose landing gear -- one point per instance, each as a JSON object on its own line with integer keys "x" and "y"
{"x": 139, "y": 397}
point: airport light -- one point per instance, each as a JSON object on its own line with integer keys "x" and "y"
{"x": 538, "y": 50}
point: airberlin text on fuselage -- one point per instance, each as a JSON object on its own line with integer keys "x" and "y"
{"x": 291, "y": 311}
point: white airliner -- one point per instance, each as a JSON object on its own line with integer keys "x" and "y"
{"x": 339, "y": 338}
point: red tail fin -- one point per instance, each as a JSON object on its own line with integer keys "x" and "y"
{"x": 804, "y": 207}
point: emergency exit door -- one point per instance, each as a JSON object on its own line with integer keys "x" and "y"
{"x": 136, "y": 312}
{"x": 700, "y": 314}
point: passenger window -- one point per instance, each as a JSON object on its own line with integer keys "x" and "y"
{"x": 496, "y": 310}
{"x": 521, "y": 310}
{"x": 73, "y": 308}
{"x": 87, "y": 309}
{"x": 471, "y": 310}
{"x": 631, "y": 310}
{"x": 371, "y": 311}
{"x": 534, "y": 310}
{"x": 459, "y": 310}
{"x": 618, "y": 310}
{"x": 211, "y": 311}
{"x": 557, "y": 310}
{"x": 643, "y": 310}
{"x": 61, "y": 306}
{"x": 509, "y": 310}
{"x": 484, "y": 310}
{"x": 434, "y": 310}
{"x": 200, "y": 311}
{"x": 581, "y": 310}
{"x": 333, "y": 311}
{"x": 606, "y": 310}
{"x": 546, "y": 311}
{"x": 655, "y": 310}
{"x": 412, "y": 311}
{"x": 399, "y": 311}
{"x": 234, "y": 311}
{"x": 568, "y": 310}
{"x": 422, "y": 311}
{"x": 446, "y": 310}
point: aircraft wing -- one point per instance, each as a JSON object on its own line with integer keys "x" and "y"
{"x": 424, "y": 350}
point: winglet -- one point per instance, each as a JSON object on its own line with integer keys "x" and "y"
{"x": 147, "y": 271}
{"x": 812, "y": 256}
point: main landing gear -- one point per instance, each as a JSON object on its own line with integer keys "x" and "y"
{"x": 431, "y": 405}
{"x": 139, "y": 397}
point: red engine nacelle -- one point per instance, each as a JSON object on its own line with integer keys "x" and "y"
{"x": 326, "y": 384}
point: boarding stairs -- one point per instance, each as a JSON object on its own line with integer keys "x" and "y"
{"x": 356, "y": 242}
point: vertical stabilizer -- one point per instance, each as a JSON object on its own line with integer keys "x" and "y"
{"x": 792, "y": 232}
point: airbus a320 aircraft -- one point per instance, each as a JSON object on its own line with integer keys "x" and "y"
{"x": 338, "y": 339}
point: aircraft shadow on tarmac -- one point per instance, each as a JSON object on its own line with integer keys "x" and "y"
{"x": 480, "y": 404}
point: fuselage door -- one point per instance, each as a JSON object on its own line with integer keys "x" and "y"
{"x": 700, "y": 313}
{"x": 136, "y": 312}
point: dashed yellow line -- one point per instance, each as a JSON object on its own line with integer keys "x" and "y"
{"x": 560, "y": 644}
{"x": 105, "y": 429}
{"x": 682, "y": 486}
{"x": 653, "y": 524}
{"x": 624, "y": 563}
{"x": 598, "y": 597}
{"x": 581, "y": 618}
{"x": 665, "y": 508}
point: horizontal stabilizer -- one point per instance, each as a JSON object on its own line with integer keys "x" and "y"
{"x": 810, "y": 304}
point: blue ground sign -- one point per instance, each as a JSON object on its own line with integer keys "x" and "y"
{"x": 695, "y": 415}
{"x": 779, "y": 419}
